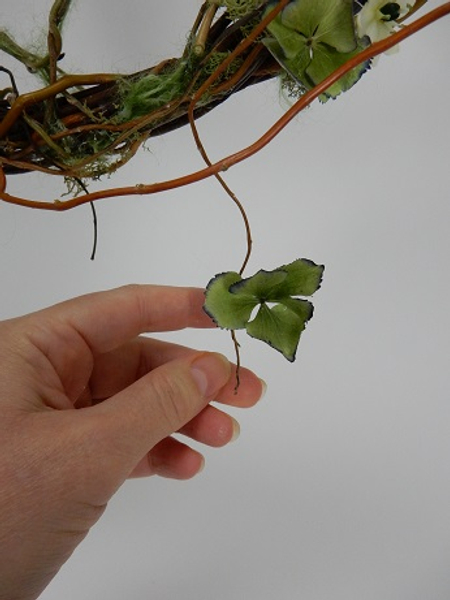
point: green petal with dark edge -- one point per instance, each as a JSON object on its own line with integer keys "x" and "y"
{"x": 262, "y": 286}
{"x": 228, "y": 311}
{"x": 326, "y": 61}
{"x": 279, "y": 327}
{"x": 303, "y": 278}
{"x": 328, "y": 21}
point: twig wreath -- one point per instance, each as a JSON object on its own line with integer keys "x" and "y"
{"x": 81, "y": 127}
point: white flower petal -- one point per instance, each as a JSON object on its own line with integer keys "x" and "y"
{"x": 372, "y": 22}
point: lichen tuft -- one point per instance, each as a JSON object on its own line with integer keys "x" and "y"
{"x": 239, "y": 8}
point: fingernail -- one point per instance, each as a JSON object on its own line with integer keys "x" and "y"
{"x": 263, "y": 388}
{"x": 236, "y": 431}
{"x": 211, "y": 372}
{"x": 202, "y": 466}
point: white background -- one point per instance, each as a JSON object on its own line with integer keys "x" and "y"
{"x": 339, "y": 487}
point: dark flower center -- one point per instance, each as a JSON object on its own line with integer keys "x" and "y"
{"x": 390, "y": 11}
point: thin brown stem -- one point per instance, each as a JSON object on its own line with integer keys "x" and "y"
{"x": 63, "y": 84}
{"x": 203, "y": 88}
{"x": 415, "y": 7}
{"x": 238, "y": 360}
{"x": 224, "y": 185}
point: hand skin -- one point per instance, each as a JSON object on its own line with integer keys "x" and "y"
{"x": 85, "y": 403}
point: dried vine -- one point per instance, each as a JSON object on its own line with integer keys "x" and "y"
{"x": 25, "y": 143}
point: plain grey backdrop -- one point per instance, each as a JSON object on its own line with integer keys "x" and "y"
{"x": 339, "y": 487}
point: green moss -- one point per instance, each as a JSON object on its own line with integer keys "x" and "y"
{"x": 214, "y": 62}
{"x": 239, "y": 8}
{"x": 92, "y": 153}
{"x": 151, "y": 92}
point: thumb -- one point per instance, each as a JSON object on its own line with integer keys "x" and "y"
{"x": 128, "y": 425}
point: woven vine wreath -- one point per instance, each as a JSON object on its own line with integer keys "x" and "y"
{"x": 82, "y": 127}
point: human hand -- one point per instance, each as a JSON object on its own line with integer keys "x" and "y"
{"x": 85, "y": 403}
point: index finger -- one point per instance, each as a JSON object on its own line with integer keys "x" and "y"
{"x": 108, "y": 319}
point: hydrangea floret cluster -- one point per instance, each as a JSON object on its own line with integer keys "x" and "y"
{"x": 312, "y": 38}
